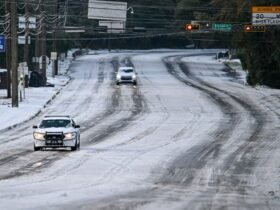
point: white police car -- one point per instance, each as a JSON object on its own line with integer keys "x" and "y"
{"x": 56, "y": 132}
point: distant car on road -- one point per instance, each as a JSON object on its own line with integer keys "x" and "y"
{"x": 56, "y": 132}
{"x": 126, "y": 75}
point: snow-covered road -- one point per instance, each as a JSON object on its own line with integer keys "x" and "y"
{"x": 191, "y": 135}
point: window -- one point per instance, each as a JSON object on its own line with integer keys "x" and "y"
{"x": 55, "y": 123}
{"x": 127, "y": 70}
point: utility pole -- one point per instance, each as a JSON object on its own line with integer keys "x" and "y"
{"x": 54, "y": 45}
{"x": 38, "y": 49}
{"x": 14, "y": 53}
{"x": 43, "y": 42}
{"x": 26, "y": 46}
{"x": 8, "y": 48}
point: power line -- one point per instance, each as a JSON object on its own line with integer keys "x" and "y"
{"x": 192, "y": 8}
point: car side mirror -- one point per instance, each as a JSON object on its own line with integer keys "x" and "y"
{"x": 34, "y": 126}
{"x": 77, "y": 126}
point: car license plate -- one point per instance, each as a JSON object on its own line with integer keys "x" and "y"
{"x": 52, "y": 142}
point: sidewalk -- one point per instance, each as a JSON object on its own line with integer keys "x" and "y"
{"x": 35, "y": 99}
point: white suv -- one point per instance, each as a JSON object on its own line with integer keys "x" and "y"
{"x": 126, "y": 75}
{"x": 56, "y": 132}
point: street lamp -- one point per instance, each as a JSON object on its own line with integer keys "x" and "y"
{"x": 131, "y": 10}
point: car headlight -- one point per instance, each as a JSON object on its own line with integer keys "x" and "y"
{"x": 118, "y": 76}
{"x": 134, "y": 77}
{"x": 69, "y": 136}
{"x": 39, "y": 136}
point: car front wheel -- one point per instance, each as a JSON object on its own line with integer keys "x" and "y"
{"x": 78, "y": 146}
{"x": 75, "y": 147}
{"x": 37, "y": 148}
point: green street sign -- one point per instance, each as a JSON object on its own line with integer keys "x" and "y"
{"x": 222, "y": 26}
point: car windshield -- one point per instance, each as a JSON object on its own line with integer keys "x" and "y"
{"x": 127, "y": 70}
{"x": 55, "y": 123}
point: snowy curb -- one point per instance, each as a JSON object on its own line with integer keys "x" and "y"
{"x": 44, "y": 105}
{"x": 39, "y": 111}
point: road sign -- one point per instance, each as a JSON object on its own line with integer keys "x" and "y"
{"x": 266, "y": 15}
{"x": 21, "y": 40}
{"x": 2, "y": 43}
{"x": 30, "y": 20}
{"x": 221, "y": 26}
{"x": 113, "y": 26}
{"x": 107, "y": 10}
{"x": 53, "y": 55}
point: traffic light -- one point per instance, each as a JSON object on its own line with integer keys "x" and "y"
{"x": 251, "y": 28}
{"x": 192, "y": 27}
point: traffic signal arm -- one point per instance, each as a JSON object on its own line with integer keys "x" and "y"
{"x": 192, "y": 27}
{"x": 254, "y": 28}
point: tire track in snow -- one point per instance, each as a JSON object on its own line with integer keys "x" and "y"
{"x": 112, "y": 109}
{"x": 9, "y": 161}
{"x": 190, "y": 165}
{"x": 198, "y": 156}
{"x": 240, "y": 163}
